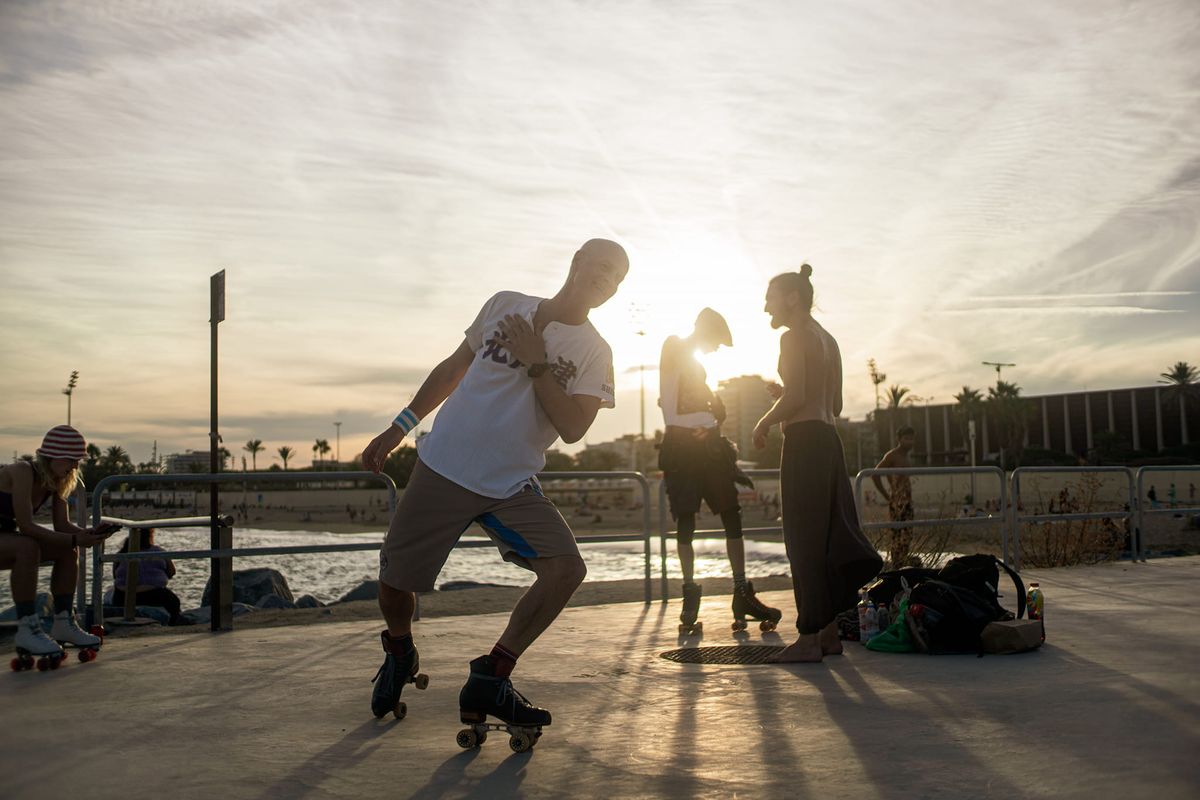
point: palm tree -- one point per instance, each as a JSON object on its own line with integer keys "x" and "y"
{"x": 970, "y": 403}
{"x": 117, "y": 460}
{"x": 93, "y": 454}
{"x": 316, "y": 448}
{"x": 896, "y": 397}
{"x": 225, "y": 455}
{"x": 1183, "y": 381}
{"x": 1012, "y": 416}
{"x": 254, "y": 447}
{"x": 285, "y": 453}
{"x": 323, "y": 446}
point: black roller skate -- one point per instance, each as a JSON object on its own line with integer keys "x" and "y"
{"x": 747, "y": 604}
{"x": 398, "y": 668}
{"x": 691, "y": 609}
{"x": 486, "y": 695}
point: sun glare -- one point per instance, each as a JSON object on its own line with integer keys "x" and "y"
{"x": 668, "y": 286}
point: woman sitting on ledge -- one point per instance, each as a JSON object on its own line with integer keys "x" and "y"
{"x": 152, "y": 577}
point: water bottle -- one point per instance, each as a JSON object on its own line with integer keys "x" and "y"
{"x": 885, "y": 617}
{"x": 1035, "y": 603}
{"x": 872, "y": 629}
{"x": 863, "y": 605}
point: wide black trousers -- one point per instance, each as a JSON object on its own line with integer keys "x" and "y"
{"x": 830, "y": 557}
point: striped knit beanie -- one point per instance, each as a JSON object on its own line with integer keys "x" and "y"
{"x": 63, "y": 441}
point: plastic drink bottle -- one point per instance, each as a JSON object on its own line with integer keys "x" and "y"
{"x": 872, "y": 628}
{"x": 1035, "y": 605}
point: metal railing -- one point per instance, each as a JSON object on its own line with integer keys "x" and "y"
{"x": 1001, "y": 517}
{"x": 99, "y": 558}
{"x": 1017, "y": 517}
{"x": 1139, "y": 552}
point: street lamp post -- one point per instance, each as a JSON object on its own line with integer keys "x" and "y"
{"x": 71, "y": 390}
{"x": 338, "y": 452}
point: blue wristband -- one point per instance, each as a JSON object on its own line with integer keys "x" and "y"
{"x": 406, "y": 420}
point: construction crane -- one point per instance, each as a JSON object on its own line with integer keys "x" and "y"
{"x": 998, "y": 365}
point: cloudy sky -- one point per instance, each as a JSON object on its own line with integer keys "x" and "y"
{"x": 985, "y": 181}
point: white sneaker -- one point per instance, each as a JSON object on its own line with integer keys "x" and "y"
{"x": 32, "y": 639}
{"x": 66, "y": 629}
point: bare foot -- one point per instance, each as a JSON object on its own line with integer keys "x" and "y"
{"x": 806, "y": 649}
{"x": 831, "y": 643}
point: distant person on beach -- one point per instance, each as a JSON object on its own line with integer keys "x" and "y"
{"x": 1152, "y": 496}
{"x": 699, "y": 464}
{"x": 1171, "y": 495}
{"x": 26, "y": 486}
{"x": 152, "y": 577}
{"x": 900, "y": 498}
{"x": 529, "y": 371}
{"x": 830, "y": 558}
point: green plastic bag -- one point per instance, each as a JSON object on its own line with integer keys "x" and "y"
{"x": 896, "y": 639}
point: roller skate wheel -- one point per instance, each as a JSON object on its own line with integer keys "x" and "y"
{"x": 43, "y": 664}
{"x": 421, "y": 681}
{"x": 738, "y": 625}
{"x": 520, "y": 742}
{"x": 480, "y": 736}
{"x": 467, "y": 739}
{"x": 766, "y": 625}
{"x": 17, "y": 665}
{"x": 401, "y": 710}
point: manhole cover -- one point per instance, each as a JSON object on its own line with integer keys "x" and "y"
{"x": 757, "y": 654}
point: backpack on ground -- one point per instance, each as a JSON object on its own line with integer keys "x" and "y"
{"x": 949, "y": 614}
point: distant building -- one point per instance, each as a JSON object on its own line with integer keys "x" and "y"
{"x": 1065, "y": 423}
{"x": 184, "y": 463}
{"x": 746, "y": 400}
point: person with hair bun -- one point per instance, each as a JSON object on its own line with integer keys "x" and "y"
{"x": 26, "y": 486}
{"x": 829, "y": 555}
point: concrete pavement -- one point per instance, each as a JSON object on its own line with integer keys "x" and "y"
{"x": 1110, "y": 707}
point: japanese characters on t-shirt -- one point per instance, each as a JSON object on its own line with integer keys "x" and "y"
{"x": 491, "y": 434}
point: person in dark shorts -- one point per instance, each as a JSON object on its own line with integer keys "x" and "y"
{"x": 700, "y": 465}
{"x": 530, "y": 370}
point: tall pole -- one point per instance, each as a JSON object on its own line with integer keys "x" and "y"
{"x": 216, "y": 297}
{"x": 70, "y": 390}
{"x": 338, "y": 452}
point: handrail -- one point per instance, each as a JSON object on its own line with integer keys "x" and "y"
{"x": 1016, "y": 518}
{"x": 99, "y": 557}
{"x": 1000, "y": 517}
{"x": 1142, "y": 511}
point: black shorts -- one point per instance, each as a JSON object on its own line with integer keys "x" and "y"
{"x": 695, "y": 470}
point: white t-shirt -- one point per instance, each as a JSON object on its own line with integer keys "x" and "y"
{"x": 491, "y": 434}
{"x": 683, "y": 391}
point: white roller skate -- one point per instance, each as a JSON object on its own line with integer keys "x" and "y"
{"x": 33, "y": 643}
{"x": 66, "y": 630}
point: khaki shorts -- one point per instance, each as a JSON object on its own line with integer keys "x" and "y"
{"x": 434, "y": 512}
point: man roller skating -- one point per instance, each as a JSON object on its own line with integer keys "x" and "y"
{"x": 530, "y": 370}
{"x": 699, "y": 464}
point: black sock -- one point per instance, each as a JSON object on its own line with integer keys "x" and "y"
{"x": 506, "y": 660}
{"x": 62, "y": 602}
{"x": 24, "y": 609}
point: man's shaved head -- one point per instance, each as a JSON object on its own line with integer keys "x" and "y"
{"x": 603, "y": 249}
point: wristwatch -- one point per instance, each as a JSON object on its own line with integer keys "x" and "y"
{"x": 537, "y": 370}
